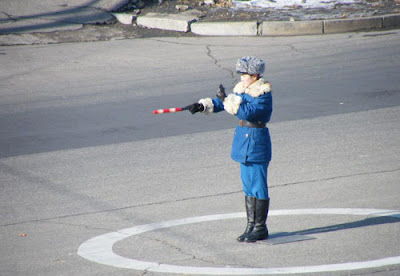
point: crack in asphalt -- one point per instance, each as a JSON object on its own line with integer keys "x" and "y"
{"x": 196, "y": 198}
{"x": 181, "y": 251}
{"x": 165, "y": 243}
{"x": 190, "y": 255}
{"x": 10, "y": 17}
{"x": 334, "y": 177}
{"x": 215, "y": 60}
{"x": 294, "y": 48}
{"x": 82, "y": 225}
{"x": 119, "y": 209}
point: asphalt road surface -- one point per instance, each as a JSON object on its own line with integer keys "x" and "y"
{"x": 92, "y": 183}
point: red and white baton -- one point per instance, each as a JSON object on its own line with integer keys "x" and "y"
{"x": 170, "y": 110}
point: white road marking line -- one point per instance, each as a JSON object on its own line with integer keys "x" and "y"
{"x": 99, "y": 249}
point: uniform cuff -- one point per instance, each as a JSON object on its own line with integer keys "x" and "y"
{"x": 208, "y": 105}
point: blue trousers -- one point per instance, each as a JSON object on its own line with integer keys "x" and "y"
{"x": 254, "y": 179}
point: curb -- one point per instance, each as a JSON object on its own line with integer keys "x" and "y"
{"x": 274, "y": 28}
{"x": 172, "y": 22}
{"x": 225, "y": 28}
{"x": 350, "y": 25}
{"x": 391, "y": 21}
{"x": 189, "y": 22}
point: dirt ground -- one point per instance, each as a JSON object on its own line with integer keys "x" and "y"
{"x": 222, "y": 10}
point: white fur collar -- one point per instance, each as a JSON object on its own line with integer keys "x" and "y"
{"x": 255, "y": 90}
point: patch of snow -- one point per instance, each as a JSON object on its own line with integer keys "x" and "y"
{"x": 290, "y": 4}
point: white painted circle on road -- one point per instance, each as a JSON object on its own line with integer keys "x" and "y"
{"x": 99, "y": 249}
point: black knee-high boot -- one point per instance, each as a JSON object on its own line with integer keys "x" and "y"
{"x": 260, "y": 231}
{"x": 250, "y": 203}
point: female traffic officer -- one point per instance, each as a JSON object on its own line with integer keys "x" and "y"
{"x": 251, "y": 103}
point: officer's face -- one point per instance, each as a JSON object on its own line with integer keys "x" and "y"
{"x": 248, "y": 79}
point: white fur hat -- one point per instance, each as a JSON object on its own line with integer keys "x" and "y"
{"x": 250, "y": 65}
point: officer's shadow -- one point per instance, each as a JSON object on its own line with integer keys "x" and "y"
{"x": 284, "y": 237}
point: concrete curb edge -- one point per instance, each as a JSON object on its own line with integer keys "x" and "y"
{"x": 270, "y": 28}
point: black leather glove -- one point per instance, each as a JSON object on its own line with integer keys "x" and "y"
{"x": 221, "y": 92}
{"x": 196, "y": 107}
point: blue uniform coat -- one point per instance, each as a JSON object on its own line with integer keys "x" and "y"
{"x": 253, "y": 104}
